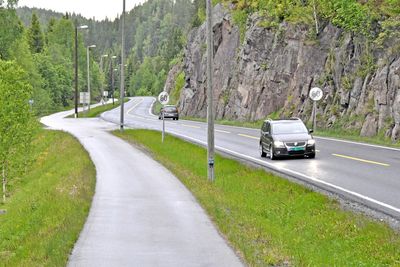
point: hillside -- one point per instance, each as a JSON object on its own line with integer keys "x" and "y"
{"x": 266, "y": 67}
{"x": 155, "y": 35}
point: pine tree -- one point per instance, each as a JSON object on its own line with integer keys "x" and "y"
{"x": 36, "y": 38}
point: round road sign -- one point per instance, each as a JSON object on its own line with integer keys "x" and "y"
{"x": 163, "y": 98}
{"x": 316, "y": 94}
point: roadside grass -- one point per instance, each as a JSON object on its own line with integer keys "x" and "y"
{"x": 269, "y": 220}
{"x": 380, "y": 139}
{"x": 49, "y": 205}
{"x": 95, "y": 112}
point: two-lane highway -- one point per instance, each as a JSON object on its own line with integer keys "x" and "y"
{"x": 367, "y": 173}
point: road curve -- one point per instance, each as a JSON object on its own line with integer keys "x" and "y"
{"x": 366, "y": 173}
{"x": 141, "y": 214}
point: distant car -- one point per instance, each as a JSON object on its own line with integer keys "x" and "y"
{"x": 286, "y": 138}
{"x": 169, "y": 112}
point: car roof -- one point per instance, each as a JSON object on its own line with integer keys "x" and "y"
{"x": 291, "y": 120}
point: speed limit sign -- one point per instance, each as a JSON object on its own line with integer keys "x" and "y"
{"x": 163, "y": 98}
{"x": 316, "y": 94}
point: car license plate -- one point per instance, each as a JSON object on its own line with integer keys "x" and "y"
{"x": 297, "y": 149}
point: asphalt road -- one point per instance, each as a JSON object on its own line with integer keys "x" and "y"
{"x": 368, "y": 174}
{"x": 141, "y": 215}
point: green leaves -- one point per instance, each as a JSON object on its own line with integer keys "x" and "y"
{"x": 36, "y": 38}
{"x": 10, "y": 33}
{"x": 16, "y": 121}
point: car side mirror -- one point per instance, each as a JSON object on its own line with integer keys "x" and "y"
{"x": 310, "y": 131}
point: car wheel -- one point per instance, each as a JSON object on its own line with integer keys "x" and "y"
{"x": 261, "y": 150}
{"x": 272, "y": 153}
{"x": 311, "y": 156}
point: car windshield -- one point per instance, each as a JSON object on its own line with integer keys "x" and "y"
{"x": 289, "y": 128}
{"x": 170, "y": 109}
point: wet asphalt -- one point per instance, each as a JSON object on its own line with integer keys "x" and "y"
{"x": 365, "y": 173}
{"x": 141, "y": 214}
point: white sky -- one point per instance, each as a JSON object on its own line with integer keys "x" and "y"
{"x": 100, "y": 9}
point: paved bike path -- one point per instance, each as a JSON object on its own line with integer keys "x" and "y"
{"x": 141, "y": 214}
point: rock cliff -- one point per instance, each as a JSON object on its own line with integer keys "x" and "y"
{"x": 272, "y": 71}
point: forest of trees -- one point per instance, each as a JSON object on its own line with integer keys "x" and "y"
{"x": 36, "y": 78}
{"x": 37, "y": 64}
{"x": 155, "y": 36}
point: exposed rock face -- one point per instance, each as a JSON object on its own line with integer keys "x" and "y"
{"x": 273, "y": 70}
{"x": 172, "y": 74}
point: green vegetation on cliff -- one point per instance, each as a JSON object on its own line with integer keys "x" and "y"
{"x": 351, "y": 15}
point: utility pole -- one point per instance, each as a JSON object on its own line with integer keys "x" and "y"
{"x": 122, "y": 86}
{"x": 102, "y": 83}
{"x": 76, "y": 71}
{"x": 210, "y": 113}
{"x": 76, "y": 66}
{"x": 88, "y": 71}
{"x": 112, "y": 78}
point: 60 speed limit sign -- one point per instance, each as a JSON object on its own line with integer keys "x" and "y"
{"x": 316, "y": 94}
{"x": 163, "y": 98}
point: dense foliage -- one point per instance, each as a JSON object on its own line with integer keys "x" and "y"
{"x": 155, "y": 36}
{"x": 36, "y": 78}
{"x": 47, "y": 58}
{"x": 353, "y": 15}
{"x": 16, "y": 121}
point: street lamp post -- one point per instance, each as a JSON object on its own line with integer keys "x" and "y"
{"x": 122, "y": 74}
{"x": 112, "y": 78}
{"x": 88, "y": 70}
{"x": 76, "y": 66}
{"x": 102, "y": 71}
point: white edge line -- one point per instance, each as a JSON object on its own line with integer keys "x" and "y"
{"x": 273, "y": 167}
{"x": 357, "y": 143}
{"x": 151, "y": 107}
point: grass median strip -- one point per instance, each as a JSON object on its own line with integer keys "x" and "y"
{"x": 49, "y": 205}
{"x": 95, "y": 112}
{"x": 269, "y": 220}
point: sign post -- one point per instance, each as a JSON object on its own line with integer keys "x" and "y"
{"x": 31, "y": 101}
{"x": 105, "y": 96}
{"x": 163, "y": 98}
{"x": 84, "y": 98}
{"x": 316, "y": 94}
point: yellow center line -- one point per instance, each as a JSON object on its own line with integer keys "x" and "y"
{"x": 191, "y": 126}
{"x": 221, "y": 131}
{"x": 361, "y": 160}
{"x": 249, "y": 136}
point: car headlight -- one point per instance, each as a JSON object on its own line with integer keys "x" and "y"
{"x": 279, "y": 144}
{"x": 311, "y": 142}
